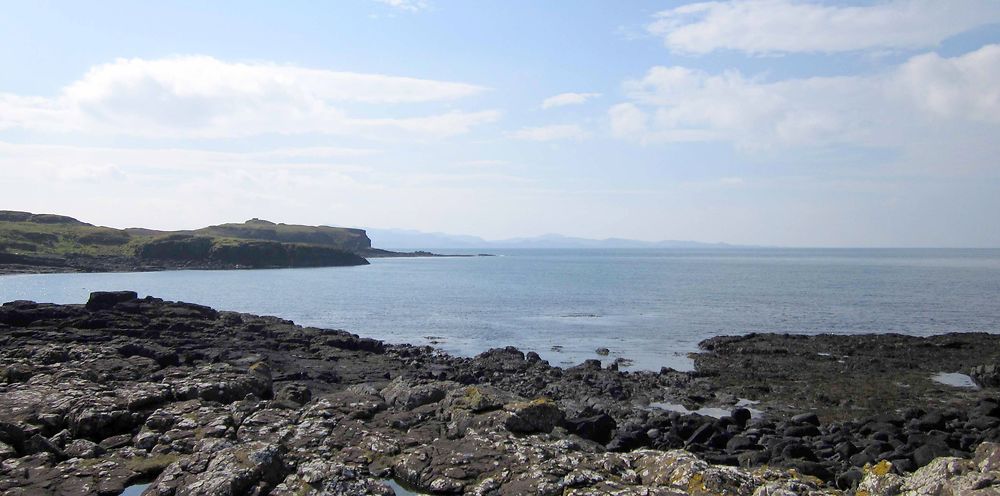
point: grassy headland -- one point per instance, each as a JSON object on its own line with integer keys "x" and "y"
{"x": 53, "y": 243}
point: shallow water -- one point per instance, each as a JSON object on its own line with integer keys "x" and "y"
{"x": 400, "y": 490}
{"x": 135, "y": 490}
{"x": 955, "y": 379}
{"x": 651, "y": 306}
{"x": 709, "y": 411}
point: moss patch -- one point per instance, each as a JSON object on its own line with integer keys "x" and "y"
{"x": 151, "y": 465}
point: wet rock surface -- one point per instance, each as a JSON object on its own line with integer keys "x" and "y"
{"x": 98, "y": 397}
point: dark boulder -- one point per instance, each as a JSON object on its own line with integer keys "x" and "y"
{"x": 163, "y": 356}
{"x": 806, "y": 418}
{"x": 754, "y": 458}
{"x": 931, "y": 421}
{"x": 598, "y": 427}
{"x": 628, "y": 438}
{"x": 12, "y": 434}
{"x": 845, "y": 450}
{"x": 904, "y": 465}
{"x": 701, "y": 434}
{"x": 538, "y": 415}
{"x": 741, "y": 443}
{"x": 986, "y": 375}
{"x": 861, "y": 459}
{"x": 105, "y": 300}
{"x": 849, "y": 480}
{"x": 801, "y": 431}
{"x": 986, "y": 407}
{"x": 928, "y": 452}
{"x": 38, "y": 444}
{"x": 741, "y": 416}
{"x": 795, "y": 451}
{"x": 352, "y": 342}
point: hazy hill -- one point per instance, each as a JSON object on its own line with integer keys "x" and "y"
{"x": 403, "y": 239}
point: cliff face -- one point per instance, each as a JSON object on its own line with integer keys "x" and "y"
{"x": 43, "y": 242}
{"x": 244, "y": 253}
{"x": 355, "y": 240}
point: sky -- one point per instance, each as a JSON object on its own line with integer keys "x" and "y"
{"x": 765, "y": 122}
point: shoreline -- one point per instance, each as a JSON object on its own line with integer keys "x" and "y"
{"x": 125, "y": 265}
{"x": 160, "y": 388}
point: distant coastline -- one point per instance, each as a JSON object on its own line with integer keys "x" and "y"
{"x": 406, "y": 239}
{"x": 47, "y": 243}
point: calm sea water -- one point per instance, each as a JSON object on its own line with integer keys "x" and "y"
{"x": 650, "y": 306}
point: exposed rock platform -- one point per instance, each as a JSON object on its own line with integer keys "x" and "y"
{"x": 122, "y": 390}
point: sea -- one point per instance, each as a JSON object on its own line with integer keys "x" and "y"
{"x": 649, "y": 307}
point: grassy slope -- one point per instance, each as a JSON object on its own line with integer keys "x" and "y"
{"x": 338, "y": 237}
{"x": 33, "y": 234}
{"x": 63, "y": 239}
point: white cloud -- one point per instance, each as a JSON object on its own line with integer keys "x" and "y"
{"x": 314, "y": 152}
{"x": 787, "y": 26}
{"x": 966, "y": 86}
{"x": 928, "y": 99}
{"x": 563, "y": 99}
{"x": 200, "y": 96}
{"x": 407, "y": 5}
{"x": 69, "y": 163}
{"x": 484, "y": 163}
{"x": 170, "y": 188}
{"x": 181, "y": 188}
{"x": 556, "y": 132}
{"x": 87, "y": 172}
{"x": 628, "y": 121}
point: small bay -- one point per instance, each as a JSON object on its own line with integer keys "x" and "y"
{"x": 648, "y": 306}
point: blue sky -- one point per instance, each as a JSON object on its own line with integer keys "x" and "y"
{"x": 777, "y": 122}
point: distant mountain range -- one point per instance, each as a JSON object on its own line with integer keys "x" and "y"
{"x": 405, "y": 239}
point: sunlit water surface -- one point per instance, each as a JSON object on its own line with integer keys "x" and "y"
{"x": 649, "y": 306}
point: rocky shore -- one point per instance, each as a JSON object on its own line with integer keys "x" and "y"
{"x": 43, "y": 264}
{"x": 121, "y": 391}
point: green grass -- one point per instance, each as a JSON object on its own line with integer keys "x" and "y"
{"x": 151, "y": 465}
{"x": 48, "y": 235}
{"x": 64, "y": 239}
{"x": 338, "y": 237}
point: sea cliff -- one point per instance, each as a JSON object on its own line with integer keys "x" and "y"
{"x": 33, "y": 243}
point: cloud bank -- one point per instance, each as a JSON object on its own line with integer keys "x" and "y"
{"x": 556, "y": 132}
{"x": 790, "y": 26}
{"x": 564, "y": 99}
{"x": 203, "y": 97}
{"x": 926, "y": 99}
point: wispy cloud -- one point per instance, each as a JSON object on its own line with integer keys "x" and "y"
{"x": 787, "y": 26}
{"x": 199, "y": 96}
{"x": 564, "y": 99}
{"x": 69, "y": 162}
{"x": 407, "y": 5}
{"x": 557, "y": 132}
{"x": 484, "y": 163}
